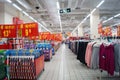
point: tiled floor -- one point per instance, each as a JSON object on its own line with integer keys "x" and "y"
{"x": 65, "y": 66}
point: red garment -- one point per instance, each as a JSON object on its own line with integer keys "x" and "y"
{"x": 106, "y": 58}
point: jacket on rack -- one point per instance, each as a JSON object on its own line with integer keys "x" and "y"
{"x": 94, "y": 64}
{"x": 106, "y": 58}
{"x": 88, "y": 53}
{"x": 81, "y": 52}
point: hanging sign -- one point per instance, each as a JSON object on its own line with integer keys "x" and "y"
{"x": 28, "y": 30}
{"x": 7, "y": 31}
{"x": 44, "y": 35}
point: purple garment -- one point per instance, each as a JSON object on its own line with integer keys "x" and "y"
{"x": 106, "y": 58}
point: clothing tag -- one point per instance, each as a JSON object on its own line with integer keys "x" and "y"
{"x": 103, "y": 57}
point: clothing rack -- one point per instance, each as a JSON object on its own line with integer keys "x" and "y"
{"x": 108, "y": 39}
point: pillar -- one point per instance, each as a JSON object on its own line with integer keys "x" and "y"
{"x": 2, "y": 13}
{"x": 94, "y": 21}
{"x": 80, "y": 31}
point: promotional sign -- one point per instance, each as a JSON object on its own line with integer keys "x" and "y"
{"x": 44, "y": 35}
{"x": 28, "y": 30}
{"x": 107, "y": 31}
{"x": 8, "y": 31}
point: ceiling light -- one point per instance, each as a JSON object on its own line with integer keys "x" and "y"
{"x": 25, "y": 13}
{"x": 24, "y": 4}
{"x": 117, "y": 15}
{"x": 17, "y": 7}
{"x": 93, "y": 10}
{"x": 58, "y": 6}
{"x": 9, "y": 1}
{"x": 105, "y": 21}
{"x": 100, "y": 3}
{"x": 110, "y": 18}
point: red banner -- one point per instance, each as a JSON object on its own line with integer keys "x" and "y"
{"x": 44, "y": 35}
{"x": 7, "y": 31}
{"x": 28, "y": 30}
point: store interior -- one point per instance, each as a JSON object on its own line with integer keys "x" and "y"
{"x": 59, "y": 40}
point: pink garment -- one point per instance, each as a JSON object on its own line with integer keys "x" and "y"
{"x": 106, "y": 58}
{"x": 89, "y": 53}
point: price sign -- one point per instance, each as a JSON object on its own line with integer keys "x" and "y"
{"x": 7, "y": 31}
{"x": 28, "y": 30}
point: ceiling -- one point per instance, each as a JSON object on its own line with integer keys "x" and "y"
{"x": 46, "y": 12}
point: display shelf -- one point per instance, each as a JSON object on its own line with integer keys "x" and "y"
{"x": 25, "y": 67}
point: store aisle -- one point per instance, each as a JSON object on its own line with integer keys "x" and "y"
{"x": 64, "y": 66}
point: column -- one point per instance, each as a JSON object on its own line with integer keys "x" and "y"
{"x": 2, "y": 13}
{"x": 94, "y": 21}
{"x": 80, "y": 31}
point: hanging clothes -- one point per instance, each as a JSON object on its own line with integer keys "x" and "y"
{"x": 76, "y": 47}
{"x": 88, "y": 53}
{"x": 106, "y": 58}
{"x": 117, "y": 56}
{"x": 81, "y": 51}
{"x": 94, "y": 64}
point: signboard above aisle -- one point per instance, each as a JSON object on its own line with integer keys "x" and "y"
{"x": 28, "y": 30}
{"x": 7, "y": 31}
{"x": 48, "y": 36}
{"x": 20, "y": 30}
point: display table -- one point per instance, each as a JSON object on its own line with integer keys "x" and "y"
{"x": 25, "y": 67}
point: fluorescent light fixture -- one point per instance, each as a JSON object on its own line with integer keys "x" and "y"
{"x": 60, "y": 23}
{"x": 88, "y": 16}
{"x": 110, "y": 18}
{"x": 58, "y": 6}
{"x": 100, "y": 3}
{"x": 31, "y": 18}
{"x": 117, "y": 15}
{"x": 17, "y": 7}
{"x": 93, "y": 10}
{"x": 9, "y": 1}
{"x": 22, "y": 3}
{"x": 25, "y": 13}
{"x": 105, "y": 21}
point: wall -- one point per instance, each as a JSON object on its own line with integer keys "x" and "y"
{"x": 11, "y": 12}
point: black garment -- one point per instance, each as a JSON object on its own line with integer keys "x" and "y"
{"x": 76, "y": 47}
{"x": 81, "y": 51}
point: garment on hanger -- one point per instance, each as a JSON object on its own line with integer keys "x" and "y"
{"x": 117, "y": 57}
{"x": 81, "y": 51}
{"x": 106, "y": 58}
{"x": 88, "y": 53}
{"x": 95, "y": 56}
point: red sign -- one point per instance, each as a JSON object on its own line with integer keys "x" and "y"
{"x": 44, "y": 35}
{"x": 16, "y": 20}
{"x": 28, "y": 30}
{"x": 7, "y": 31}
